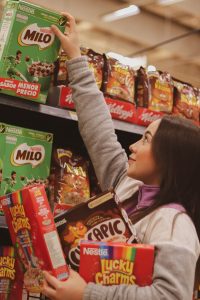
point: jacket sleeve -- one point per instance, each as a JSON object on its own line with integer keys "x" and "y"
{"x": 173, "y": 279}
{"x": 177, "y": 250}
{"x": 96, "y": 126}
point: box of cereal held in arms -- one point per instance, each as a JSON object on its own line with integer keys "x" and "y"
{"x": 98, "y": 219}
{"x": 116, "y": 263}
{"x": 34, "y": 236}
{"x": 28, "y": 49}
{"x": 25, "y": 156}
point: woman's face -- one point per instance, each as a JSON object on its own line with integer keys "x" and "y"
{"x": 141, "y": 162}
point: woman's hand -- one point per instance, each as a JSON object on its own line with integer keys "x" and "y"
{"x": 72, "y": 288}
{"x": 69, "y": 41}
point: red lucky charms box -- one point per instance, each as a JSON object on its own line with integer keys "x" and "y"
{"x": 34, "y": 235}
{"x": 110, "y": 263}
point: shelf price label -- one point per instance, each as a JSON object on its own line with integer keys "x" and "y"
{"x": 73, "y": 115}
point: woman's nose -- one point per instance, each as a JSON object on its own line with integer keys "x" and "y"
{"x": 132, "y": 148}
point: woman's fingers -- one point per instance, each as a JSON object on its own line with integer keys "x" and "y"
{"x": 71, "y": 21}
{"x": 69, "y": 41}
{"x": 73, "y": 273}
{"x": 51, "y": 280}
{"x": 58, "y": 33}
{"x": 48, "y": 291}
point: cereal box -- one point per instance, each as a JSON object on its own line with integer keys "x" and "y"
{"x": 116, "y": 263}
{"x": 71, "y": 184}
{"x": 98, "y": 219}
{"x": 11, "y": 278}
{"x": 34, "y": 235}
{"x": 28, "y": 49}
{"x": 25, "y": 156}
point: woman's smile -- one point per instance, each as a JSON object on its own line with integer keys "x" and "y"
{"x": 131, "y": 160}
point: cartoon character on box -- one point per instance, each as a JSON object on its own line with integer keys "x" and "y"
{"x": 13, "y": 61}
{"x": 10, "y": 183}
{"x": 75, "y": 233}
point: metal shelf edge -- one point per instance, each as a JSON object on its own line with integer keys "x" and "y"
{"x": 63, "y": 113}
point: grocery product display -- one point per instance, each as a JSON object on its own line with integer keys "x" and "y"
{"x": 135, "y": 96}
{"x": 28, "y": 49}
{"x": 53, "y": 214}
{"x": 67, "y": 164}
{"x": 69, "y": 173}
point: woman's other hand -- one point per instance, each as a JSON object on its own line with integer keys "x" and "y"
{"x": 70, "y": 40}
{"x": 72, "y": 288}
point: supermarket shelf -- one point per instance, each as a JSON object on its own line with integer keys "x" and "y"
{"x": 3, "y": 222}
{"x": 128, "y": 127}
{"x": 61, "y": 113}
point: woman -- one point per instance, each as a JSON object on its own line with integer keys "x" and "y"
{"x": 162, "y": 170}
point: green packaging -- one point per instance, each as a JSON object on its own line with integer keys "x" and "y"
{"x": 28, "y": 49}
{"x": 25, "y": 156}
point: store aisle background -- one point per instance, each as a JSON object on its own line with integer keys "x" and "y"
{"x": 154, "y": 24}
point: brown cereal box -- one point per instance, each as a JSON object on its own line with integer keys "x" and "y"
{"x": 98, "y": 219}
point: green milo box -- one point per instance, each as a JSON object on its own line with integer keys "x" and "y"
{"x": 28, "y": 49}
{"x": 25, "y": 156}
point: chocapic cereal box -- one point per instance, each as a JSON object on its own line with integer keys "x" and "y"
{"x": 98, "y": 219}
{"x": 25, "y": 156}
{"x": 34, "y": 236}
{"x": 28, "y": 49}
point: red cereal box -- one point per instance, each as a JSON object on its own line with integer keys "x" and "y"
{"x": 116, "y": 263}
{"x": 34, "y": 235}
{"x": 11, "y": 277}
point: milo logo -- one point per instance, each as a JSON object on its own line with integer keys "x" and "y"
{"x": 34, "y": 35}
{"x": 25, "y": 154}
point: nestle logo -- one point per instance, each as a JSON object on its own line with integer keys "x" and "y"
{"x": 26, "y": 9}
{"x": 95, "y": 251}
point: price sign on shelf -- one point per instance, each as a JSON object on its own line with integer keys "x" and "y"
{"x": 73, "y": 115}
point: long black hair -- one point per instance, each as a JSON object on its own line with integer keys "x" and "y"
{"x": 176, "y": 150}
